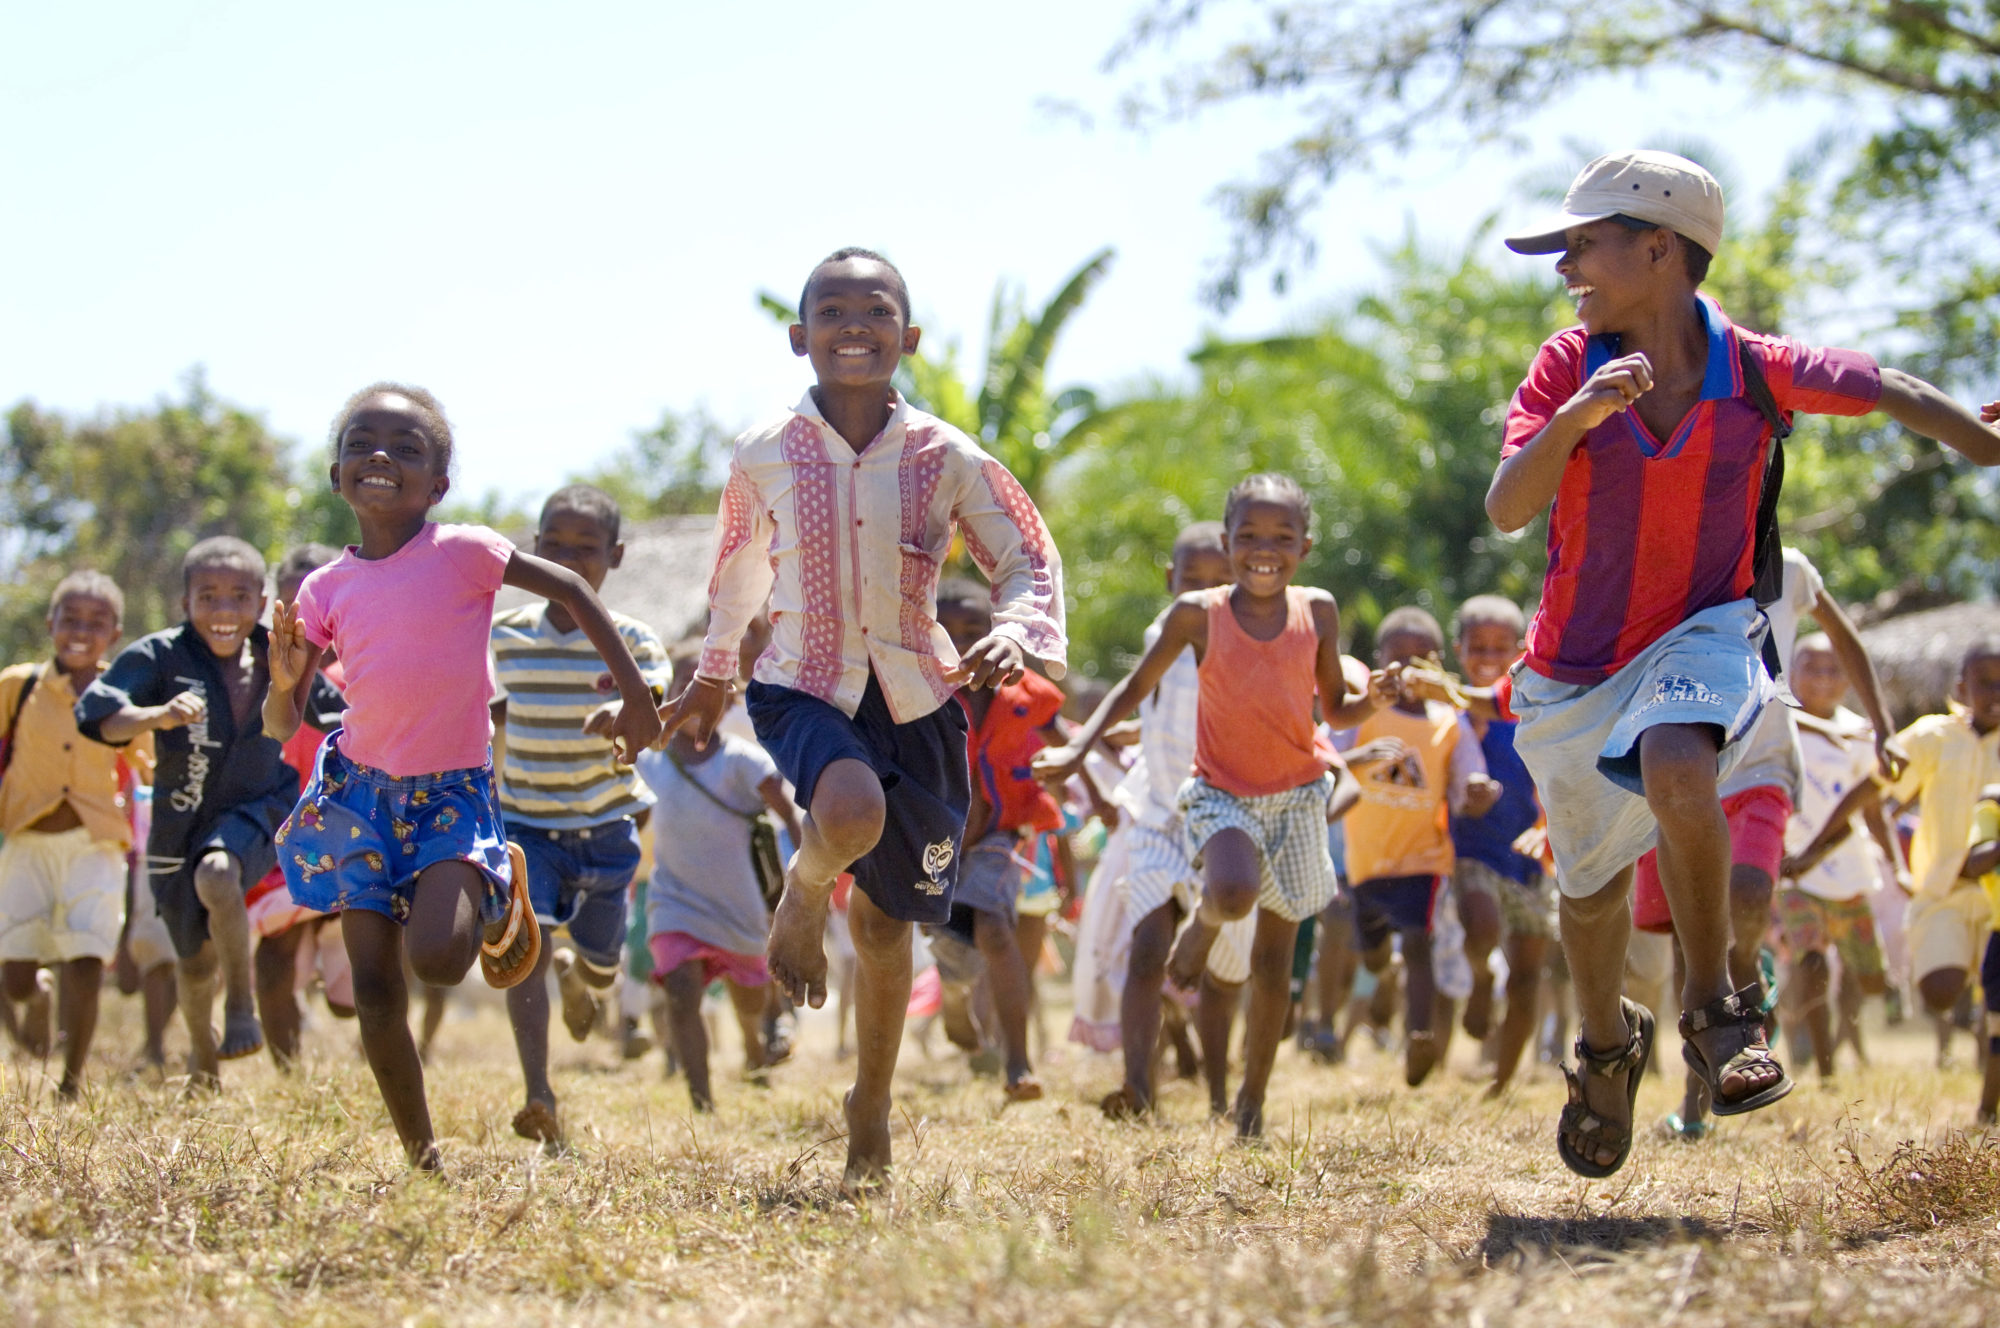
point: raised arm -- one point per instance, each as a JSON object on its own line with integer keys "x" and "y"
{"x": 638, "y": 721}
{"x": 1185, "y": 625}
{"x": 1527, "y": 479}
{"x": 1890, "y": 757}
{"x": 1921, "y": 408}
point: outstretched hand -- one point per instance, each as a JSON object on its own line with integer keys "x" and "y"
{"x": 182, "y": 710}
{"x": 290, "y": 652}
{"x": 1053, "y": 765}
{"x": 628, "y": 738}
{"x": 698, "y": 709}
{"x": 993, "y": 661}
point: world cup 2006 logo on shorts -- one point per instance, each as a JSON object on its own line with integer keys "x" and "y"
{"x": 937, "y": 857}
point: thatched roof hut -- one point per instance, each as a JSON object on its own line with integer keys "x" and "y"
{"x": 1917, "y": 654}
{"x": 664, "y": 580}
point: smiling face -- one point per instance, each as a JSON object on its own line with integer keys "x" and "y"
{"x": 1404, "y": 648}
{"x": 1613, "y": 272}
{"x": 578, "y": 541}
{"x": 855, "y": 329}
{"x": 1487, "y": 650}
{"x": 1199, "y": 568}
{"x": 387, "y": 467}
{"x": 82, "y": 629}
{"x": 1817, "y": 679}
{"x": 1979, "y": 691}
{"x": 1267, "y": 541}
{"x": 224, "y": 604}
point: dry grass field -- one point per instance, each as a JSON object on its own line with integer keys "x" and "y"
{"x": 283, "y": 1200}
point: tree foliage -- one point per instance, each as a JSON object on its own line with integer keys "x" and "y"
{"x": 128, "y": 492}
{"x": 675, "y": 468}
{"x": 1370, "y": 78}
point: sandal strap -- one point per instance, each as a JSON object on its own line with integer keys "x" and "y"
{"x": 1737, "y": 1008}
{"x": 1606, "y": 1064}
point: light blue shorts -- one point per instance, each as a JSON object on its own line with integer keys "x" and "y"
{"x": 1581, "y": 744}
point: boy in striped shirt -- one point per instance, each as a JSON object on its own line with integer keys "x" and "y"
{"x": 573, "y": 810}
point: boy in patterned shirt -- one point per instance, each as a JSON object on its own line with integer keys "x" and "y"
{"x": 575, "y": 812}
{"x": 841, "y": 511}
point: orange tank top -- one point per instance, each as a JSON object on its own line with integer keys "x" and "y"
{"x": 1254, "y": 723}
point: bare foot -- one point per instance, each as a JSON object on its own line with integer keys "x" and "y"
{"x": 242, "y": 1035}
{"x": 1420, "y": 1058}
{"x": 867, "y": 1153}
{"x": 1125, "y": 1103}
{"x": 1026, "y": 1088}
{"x": 1479, "y": 1007}
{"x": 204, "y": 1068}
{"x": 579, "y": 1004}
{"x": 1249, "y": 1117}
{"x": 797, "y": 949}
{"x": 538, "y": 1121}
{"x": 1190, "y": 956}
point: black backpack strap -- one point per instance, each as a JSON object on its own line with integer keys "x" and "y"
{"x": 1768, "y": 558}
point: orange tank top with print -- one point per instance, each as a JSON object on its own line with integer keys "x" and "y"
{"x": 1254, "y": 722}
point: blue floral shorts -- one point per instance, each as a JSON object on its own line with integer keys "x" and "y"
{"x": 360, "y": 836}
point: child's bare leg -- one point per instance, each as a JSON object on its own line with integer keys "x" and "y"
{"x": 1480, "y": 914}
{"x": 1813, "y": 979}
{"x": 1140, "y": 1004}
{"x": 1852, "y": 989}
{"x": 1232, "y": 874}
{"x": 1989, "y": 1087}
{"x": 1264, "y": 1027}
{"x": 1526, "y": 956}
{"x": 843, "y": 823}
{"x": 1420, "y": 1001}
{"x": 32, "y": 1031}
{"x": 276, "y": 964}
{"x": 1337, "y": 962}
{"x": 159, "y": 992}
{"x": 1007, "y": 980}
{"x": 749, "y": 1004}
{"x": 882, "y": 999}
{"x": 436, "y": 1001}
{"x": 218, "y": 883}
{"x": 195, "y": 976}
{"x": 689, "y": 1031}
{"x": 1749, "y": 921}
{"x": 1595, "y": 931}
{"x": 528, "y": 1013}
{"x": 1694, "y": 1089}
{"x": 1214, "y": 1015}
{"x": 78, "y": 983}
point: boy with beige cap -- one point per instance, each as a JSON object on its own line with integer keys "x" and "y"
{"x": 1649, "y": 433}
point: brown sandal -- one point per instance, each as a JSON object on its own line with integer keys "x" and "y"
{"x": 1577, "y": 1118}
{"x": 1742, "y": 1011}
{"x": 520, "y": 915}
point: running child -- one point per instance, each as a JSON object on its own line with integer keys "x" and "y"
{"x": 842, "y": 510}
{"x": 573, "y": 809}
{"x": 1825, "y": 904}
{"x": 62, "y": 869}
{"x": 1982, "y": 863}
{"x": 1255, "y": 809}
{"x": 1008, "y": 725}
{"x": 1399, "y": 846}
{"x": 705, "y": 913}
{"x": 399, "y": 830}
{"x": 221, "y": 789}
{"x": 1503, "y": 894}
{"x": 293, "y": 941}
{"x": 1646, "y": 425}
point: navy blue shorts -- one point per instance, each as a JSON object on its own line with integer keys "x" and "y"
{"x": 579, "y": 879}
{"x": 245, "y": 832}
{"x": 1394, "y": 903}
{"x": 1989, "y": 972}
{"x": 910, "y": 872}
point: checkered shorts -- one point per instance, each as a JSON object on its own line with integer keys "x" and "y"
{"x": 1157, "y": 870}
{"x": 1289, "y": 830}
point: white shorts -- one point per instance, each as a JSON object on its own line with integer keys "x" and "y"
{"x": 1157, "y": 871}
{"x": 1229, "y": 957}
{"x": 62, "y": 896}
{"x": 147, "y": 940}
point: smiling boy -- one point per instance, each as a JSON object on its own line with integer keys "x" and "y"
{"x": 841, "y": 512}
{"x": 222, "y": 787}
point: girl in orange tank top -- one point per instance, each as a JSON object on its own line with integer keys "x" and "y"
{"x": 1254, "y": 727}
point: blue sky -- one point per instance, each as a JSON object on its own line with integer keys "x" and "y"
{"x": 557, "y": 217}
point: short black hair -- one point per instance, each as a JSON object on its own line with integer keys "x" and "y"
{"x": 965, "y": 593}
{"x": 900, "y": 287}
{"x": 1410, "y": 620}
{"x": 586, "y": 500}
{"x": 1489, "y": 611}
{"x": 224, "y": 551}
{"x": 88, "y": 584}
{"x": 429, "y": 408}
{"x": 1693, "y": 255}
{"x": 1982, "y": 648}
{"x": 1267, "y": 486}
{"x": 1201, "y": 537}
{"x": 301, "y": 560}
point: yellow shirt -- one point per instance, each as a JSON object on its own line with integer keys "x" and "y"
{"x": 1400, "y": 827}
{"x": 1949, "y": 765}
{"x": 53, "y": 763}
{"x": 1986, "y": 829}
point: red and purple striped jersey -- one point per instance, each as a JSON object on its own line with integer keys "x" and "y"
{"x": 1645, "y": 533}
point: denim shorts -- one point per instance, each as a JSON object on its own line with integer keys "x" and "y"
{"x": 579, "y": 879}
{"x": 360, "y": 836}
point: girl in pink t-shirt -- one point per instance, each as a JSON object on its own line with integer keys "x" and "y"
{"x": 398, "y": 830}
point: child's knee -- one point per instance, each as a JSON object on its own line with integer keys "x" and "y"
{"x": 1813, "y": 965}
{"x": 1941, "y": 989}
{"x": 1677, "y": 765}
{"x": 684, "y": 986}
{"x": 848, "y": 808}
{"x": 1750, "y": 894}
{"x": 1232, "y": 897}
{"x": 442, "y": 962}
{"x": 218, "y": 881}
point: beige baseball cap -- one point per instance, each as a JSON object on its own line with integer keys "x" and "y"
{"x": 1652, "y": 186}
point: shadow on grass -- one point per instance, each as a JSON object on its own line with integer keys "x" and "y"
{"x": 1518, "y": 1234}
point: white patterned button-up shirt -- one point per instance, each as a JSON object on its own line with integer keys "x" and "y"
{"x": 848, "y": 548}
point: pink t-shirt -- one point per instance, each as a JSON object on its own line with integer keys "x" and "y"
{"x": 412, "y": 631}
